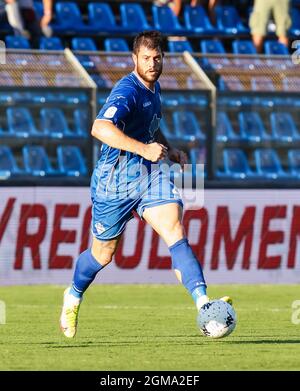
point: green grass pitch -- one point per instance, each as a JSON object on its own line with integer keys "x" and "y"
{"x": 148, "y": 327}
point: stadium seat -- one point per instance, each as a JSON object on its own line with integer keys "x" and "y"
{"x": 8, "y": 165}
{"x": 101, "y": 18}
{"x": 81, "y": 122}
{"x": 229, "y": 22}
{"x": 169, "y": 82}
{"x": 83, "y": 44}
{"x": 36, "y": 161}
{"x": 283, "y": 127}
{"x": 294, "y": 162}
{"x": 187, "y": 126}
{"x": 179, "y": 46}
{"x": 262, "y": 83}
{"x": 213, "y": 47}
{"x": 224, "y": 129}
{"x": 275, "y": 47}
{"x": 70, "y": 161}
{"x": 168, "y": 131}
{"x": 210, "y": 46}
{"x": 34, "y": 79}
{"x": 291, "y": 83}
{"x": 133, "y": 17}
{"x": 51, "y": 43}
{"x": 68, "y": 18}
{"x": 243, "y": 47}
{"x": 268, "y": 164}
{"x": 251, "y": 127}
{"x": 116, "y": 45}
{"x": 198, "y": 157}
{"x": 54, "y": 124}
{"x": 15, "y": 42}
{"x": 20, "y": 122}
{"x": 197, "y": 21}
{"x": 230, "y": 83}
{"x": 166, "y": 21}
{"x": 67, "y": 80}
{"x": 98, "y": 79}
{"x": 236, "y": 164}
{"x": 295, "y": 16}
{"x": 6, "y": 79}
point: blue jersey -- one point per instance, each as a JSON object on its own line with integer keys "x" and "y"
{"x": 134, "y": 109}
{"x": 123, "y": 181}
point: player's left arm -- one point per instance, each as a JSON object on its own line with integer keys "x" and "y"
{"x": 174, "y": 154}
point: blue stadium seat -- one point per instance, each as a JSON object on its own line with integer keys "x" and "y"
{"x": 295, "y": 16}
{"x": 224, "y": 129}
{"x": 166, "y": 21}
{"x": 169, "y": 82}
{"x": 251, "y": 127}
{"x": 268, "y": 164}
{"x": 187, "y": 126}
{"x": 230, "y": 83}
{"x": 54, "y": 123}
{"x": 67, "y": 80}
{"x": 81, "y": 122}
{"x": 262, "y": 83}
{"x": 70, "y": 161}
{"x": 243, "y": 47}
{"x": 15, "y": 42}
{"x": 168, "y": 131}
{"x": 133, "y": 17}
{"x": 84, "y": 44}
{"x": 68, "y": 18}
{"x": 36, "y": 161}
{"x": 294, "y": 162}
{"x": 20, "y": 122}
{"x": 8, "y": 165}
{"x": 236, "y": 164}
{"x": 116, "y": 45}
{"x": 275, "y": 47}
{"x": 197, "y": 157}
{"x": 98, "y": 79}
{"x": 34, "y": 79}
{"x": 6, "y": 79}
{"x": 179, "y": 46}
{"x": 210, "y": 46}
{"x": 51, "y": 43}
{"x": 101, "y": 18}
{"x": 197, "y": 21}
{"x": 38, "y": 8}
{"x": 283, "y": 127}
{"x": 229, "y": 22}
{"x": 291, "y": 83}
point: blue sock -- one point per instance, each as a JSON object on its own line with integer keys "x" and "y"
{"x": 185, "y": 261}
{"x": 85, "y": 271}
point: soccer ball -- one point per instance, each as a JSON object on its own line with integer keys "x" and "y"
{"x": 216, "y": 319}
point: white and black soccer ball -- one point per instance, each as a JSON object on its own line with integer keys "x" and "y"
{"x": 216, "y": 319}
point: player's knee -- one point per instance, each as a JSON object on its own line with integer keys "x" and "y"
{"x": 103, "y": 251}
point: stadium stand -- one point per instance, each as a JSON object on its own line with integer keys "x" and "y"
{"x": 257, "y": 96}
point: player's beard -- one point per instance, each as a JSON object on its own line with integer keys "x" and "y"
{"x": 147, "y": 76}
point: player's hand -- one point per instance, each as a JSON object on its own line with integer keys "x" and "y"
{"x": 155, "y": 152}
{"x": 177, "y": 156}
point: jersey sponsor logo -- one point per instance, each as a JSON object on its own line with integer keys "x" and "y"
{"x": 99, "y": 227}
{"x": 154, "y": 125}
{"x": 110, "y": 112}
{"x": 146, "y": 104}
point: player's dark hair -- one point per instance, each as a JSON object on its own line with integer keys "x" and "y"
{"x": 150, "y": 39}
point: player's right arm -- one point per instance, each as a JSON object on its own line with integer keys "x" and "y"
{"x": 108, "y": 133}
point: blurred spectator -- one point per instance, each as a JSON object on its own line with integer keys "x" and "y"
{"x": 209, "y": 5}
{"x": 175, "y": 5}
{"x": 260, "y": 18}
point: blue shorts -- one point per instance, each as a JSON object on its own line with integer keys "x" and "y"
{"x": 114, "y": 199}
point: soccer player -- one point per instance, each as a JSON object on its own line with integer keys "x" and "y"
{"x": 128, "y": 178}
